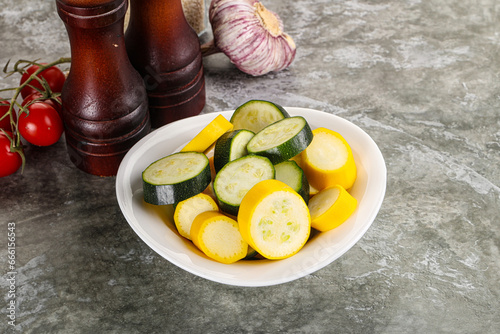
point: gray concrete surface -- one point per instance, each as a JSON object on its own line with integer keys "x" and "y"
{"x": 422, "y": 78}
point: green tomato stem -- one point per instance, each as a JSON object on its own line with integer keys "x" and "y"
{"x": 15, "y": 140}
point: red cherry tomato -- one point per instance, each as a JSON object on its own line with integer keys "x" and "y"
{"x": 43, "y": 126}
{"x": 54, "y": 76}
{"x": 10, "y": 161}
{"x": 5, "y": 122}
{"x": 56, "y": 105}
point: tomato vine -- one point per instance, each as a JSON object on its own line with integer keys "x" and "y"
{"x": 45, "y": 93}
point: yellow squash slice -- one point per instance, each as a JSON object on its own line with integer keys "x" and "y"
{"x": 328, "y": 161}
{"x": 209, "y": 135}
{"x": 331, "y": 207}
{"x": 274, "y": 220}
{"x": 187, "y": 210}
{"x": 218, "y": 236}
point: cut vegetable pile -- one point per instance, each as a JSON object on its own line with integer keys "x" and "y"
{"x": 272, "y": 178}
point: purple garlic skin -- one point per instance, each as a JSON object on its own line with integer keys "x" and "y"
{"x": 251, "y": 36}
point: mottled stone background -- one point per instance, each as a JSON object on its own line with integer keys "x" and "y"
{"x": 421, "y": 77}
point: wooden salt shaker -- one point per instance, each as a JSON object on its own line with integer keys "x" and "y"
{"x": 165, "y": 50}
{"x": 105, "y": 108}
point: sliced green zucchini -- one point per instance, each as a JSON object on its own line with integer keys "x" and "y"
{"x": 291, "y": 174}
{"x": 251, "y": 253}
{"x": 255, "y": 115}
{"x": 282, "y": 140}
{"x": 175, "y": 178}
{"x": 237, "y": 177}
{"x": 231, "y": 146}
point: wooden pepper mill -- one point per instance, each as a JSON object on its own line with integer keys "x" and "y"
{"x": 105, "y": 108}
{"x": 165, "y": 50}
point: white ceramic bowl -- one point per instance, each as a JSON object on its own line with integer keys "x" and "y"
{"x": 154, "y": 224}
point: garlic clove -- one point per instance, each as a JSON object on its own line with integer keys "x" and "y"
{"x": 251, "y": 36}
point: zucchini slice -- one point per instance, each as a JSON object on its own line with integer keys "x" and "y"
{"x": 331, "y": 207}
{"x": 255, "y": 115}
{"x": 282, "y": 140}
{"x": 329, "y": 161}
{"x": 175, "y": 178}
{"x": 291, "y": 174}
{"x": 208, "y": 135}
{"x": 251, "y": 253}
{"x": 274, "y": 220}
{"x": 218, "y": 236}
{"x": 231, "y": 146}
{"x": 187, "y": 210}
{"x": 237, "y": 177}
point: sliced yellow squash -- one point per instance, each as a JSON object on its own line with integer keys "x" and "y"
{"x": 274, "y": 220}
{"x": 331, "y": 207}
{"x": 328, "y": 161}
{"x": 209, "y": 135}
{"x": 187, "y": 210}
{"x": 218, "y": 236}
{"x": 312, "y": 191}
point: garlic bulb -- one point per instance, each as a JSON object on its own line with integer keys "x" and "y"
{"x": 250, "y": 35}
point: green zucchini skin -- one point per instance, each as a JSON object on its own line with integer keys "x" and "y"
{"x": 288, "y": 149}
{"x": 251, "y": 254}
{"x": 238, "y": 178}
{"x": 245, "y": 116}
{"x": 225, "y": 146}
{"x": 174, "y": 193}
{"x": 164, "y": 194}
{"x": 299, "y": 182}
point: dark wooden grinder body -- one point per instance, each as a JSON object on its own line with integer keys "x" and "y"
{"x": 105, "y": 106}
{"x": 165, "y": 50}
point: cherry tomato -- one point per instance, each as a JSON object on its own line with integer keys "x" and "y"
{"x": 56, "y": 105}
{"x": 54, "y": 76}
{"x": 43, "y": 126}
{"x": 5, "y": 122}
{"x": 10, "y": 161}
